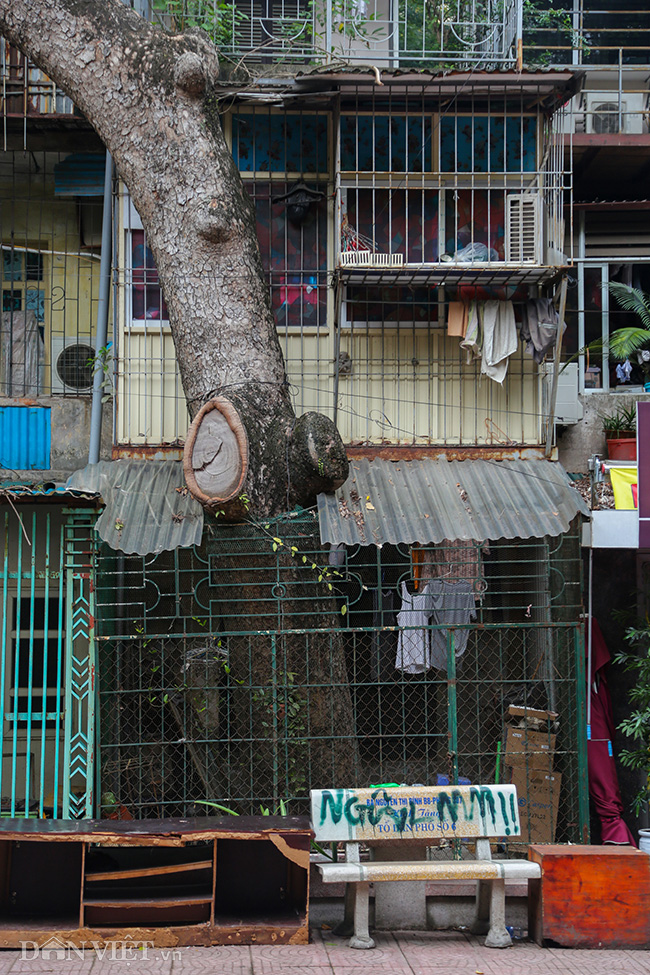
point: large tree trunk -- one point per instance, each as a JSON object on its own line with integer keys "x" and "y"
{"x": 151, "y": 98}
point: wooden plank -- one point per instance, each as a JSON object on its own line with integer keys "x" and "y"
{"x": 573, "y": 913}
{"x": 262, "y": 931}
{"x": 147, "y": 902}
{"x": 151, "y": 832}
{"x": 148, "y": 871}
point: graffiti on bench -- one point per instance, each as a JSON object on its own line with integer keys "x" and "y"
{"x": 414, "y": 813}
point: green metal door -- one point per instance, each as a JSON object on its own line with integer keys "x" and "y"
{"x": 47, "y": 662}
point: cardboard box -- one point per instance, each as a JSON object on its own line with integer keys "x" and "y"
{"x": 538, "y": 799}
{"x": 529, "y": 749}
{"x": 519, "y": 711}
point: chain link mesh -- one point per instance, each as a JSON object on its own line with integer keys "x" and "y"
{"x": 307, "y": 691}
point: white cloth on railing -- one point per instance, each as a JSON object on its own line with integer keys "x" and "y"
{"x": 500, "y": 338}
{"x": 413, "y": 645}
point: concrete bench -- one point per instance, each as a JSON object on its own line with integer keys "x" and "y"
{"x": 385, "y": 818}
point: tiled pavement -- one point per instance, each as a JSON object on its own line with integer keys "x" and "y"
{"x": 403, "y": 953}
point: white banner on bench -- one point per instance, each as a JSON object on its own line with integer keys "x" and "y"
{"x": 344, "y": 815}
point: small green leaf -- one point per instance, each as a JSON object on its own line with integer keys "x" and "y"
{"x": 344, "y": 610}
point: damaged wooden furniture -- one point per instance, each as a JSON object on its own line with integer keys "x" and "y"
{"x": 171, "y": 882}
{"x": 385, "y": 818}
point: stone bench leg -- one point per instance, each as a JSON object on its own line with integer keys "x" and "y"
{"x": 361, "y": 937}
{"x": 346, "y": 928}
{"x": 498, "y": 937}
{"x": 481, "y": 923}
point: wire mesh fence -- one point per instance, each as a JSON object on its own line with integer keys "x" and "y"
{"x": 250, "y": 670}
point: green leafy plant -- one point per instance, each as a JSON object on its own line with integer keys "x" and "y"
{"x": 621, "y": 422}
{"x": 348, "y": 19}
{"x": 221, "y": 20}
{"x": 540, "y": 16}
{"x": 102, "y": 362}
{"x": 636, "y": 661}
{"x": 281, "y": 810}
{"x": 632, "y": 340}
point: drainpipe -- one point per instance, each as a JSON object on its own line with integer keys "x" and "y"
{"x": 101, "y": 331}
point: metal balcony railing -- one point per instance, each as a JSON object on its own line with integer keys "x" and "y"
{"x": 388, "y": 33}
{"x": 25, "y": 90}
{"x": 609, "y": 112}
{"x": 577, "y": 32}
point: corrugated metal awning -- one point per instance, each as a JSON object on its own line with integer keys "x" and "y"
{"x": 428, "y": 501}
{"x": 148, "y": 507}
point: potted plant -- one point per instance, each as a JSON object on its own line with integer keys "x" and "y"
{"x": 620, "y": 433}
{"x": 636, "y": 726}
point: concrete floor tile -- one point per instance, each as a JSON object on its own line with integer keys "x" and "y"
{"x": 280, "y": 968}
{"x": 315, "y": 954}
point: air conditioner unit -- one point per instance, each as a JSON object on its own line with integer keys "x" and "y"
{"x": 71, "y": 371}
{"x": 605, "y": 116}
{"x": 524, "y": 244}
{"x": 568, "y": 407}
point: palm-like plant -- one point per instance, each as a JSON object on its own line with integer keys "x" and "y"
{"x": 632, "y": 340}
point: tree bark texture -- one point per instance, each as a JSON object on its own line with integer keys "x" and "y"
{"x": 152, "y": 99}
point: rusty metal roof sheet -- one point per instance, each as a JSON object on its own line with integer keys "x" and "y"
{"x": 428, "y": 501}
{"x": 148, "y": 507}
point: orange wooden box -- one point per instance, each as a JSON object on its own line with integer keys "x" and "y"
{"x": 590, "y": 897}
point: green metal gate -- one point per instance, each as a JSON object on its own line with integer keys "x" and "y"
{"x": 47, "y": 663}
{"x": 247, "y": 671}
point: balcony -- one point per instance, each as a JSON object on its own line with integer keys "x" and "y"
{"x": 577, "y": 32}
{"x": 27, "y": 92}
{"x": 387, "y": 33}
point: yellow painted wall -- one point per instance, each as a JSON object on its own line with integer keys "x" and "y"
{"x": 40, "y": 222}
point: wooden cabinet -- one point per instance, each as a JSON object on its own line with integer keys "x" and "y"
{"x": 590, "y": 897}
{"x": 169, "y": 882}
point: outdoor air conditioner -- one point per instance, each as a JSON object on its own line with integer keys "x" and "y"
{"x": 604, "y": 116}
{"x": 524, "y": 244}
{"x": 568, "y": 407}
{"x": 71, "y": 371}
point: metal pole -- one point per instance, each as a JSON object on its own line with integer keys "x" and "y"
{"x": 589, "y": 638}
{"x": 452, "y": 708}
{"x": 101, "y": 332}
{"x": 556, "y": 368}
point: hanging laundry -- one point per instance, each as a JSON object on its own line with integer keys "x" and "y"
{"x": 624, "y": 371}
{"x": 457, "y": 318}
{"x": 452, "y": 604}
{"x": 500, "y": 338}
{"x": 539, "y": 324}
{"x": 473, "y": 341}
{"x": 413, "y": 645}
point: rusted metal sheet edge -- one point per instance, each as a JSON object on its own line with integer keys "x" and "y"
{"x": 388, "y": 452}
{"x": 200, "y": 935}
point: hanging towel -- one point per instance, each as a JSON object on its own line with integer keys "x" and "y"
{"x": 457, "y": 319}
{"x": 539, "y": 321}
{"x": 453, "y": 604}
{"x": 499, "y": 338}
{"x": 473, "y": 340}
{"x": 413, "y": 646}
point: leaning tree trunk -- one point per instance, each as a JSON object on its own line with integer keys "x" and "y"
{"x": 152, "y": 99}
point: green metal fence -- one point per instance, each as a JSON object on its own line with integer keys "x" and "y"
{"x": 249, "y": 670}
